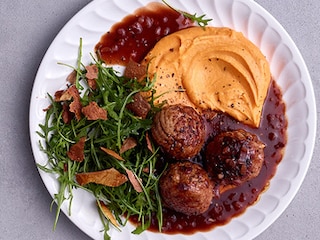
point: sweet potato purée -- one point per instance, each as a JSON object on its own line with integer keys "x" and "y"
{"x": 211, "y": 68}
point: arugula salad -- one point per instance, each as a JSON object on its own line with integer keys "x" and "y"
{"x": 103, "y": 144}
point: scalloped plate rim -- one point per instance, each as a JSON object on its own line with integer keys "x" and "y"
{"x": 311, "y": 119}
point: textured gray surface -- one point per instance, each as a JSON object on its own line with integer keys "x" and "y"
{"x": 26, "y": 30}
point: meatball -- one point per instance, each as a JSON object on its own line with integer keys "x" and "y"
{"x": 186, "y": 188}
{"x": 179, "y": 131}
{"x": 234, "y": 157}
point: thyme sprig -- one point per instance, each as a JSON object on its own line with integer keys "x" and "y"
{"x": 113, "y": 93}
{"x": 200, "y": 20}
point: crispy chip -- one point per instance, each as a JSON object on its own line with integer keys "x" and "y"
{"x": 66, "y": 114}
{"x": 149, "y": 144}
{"x": 112, "y": 153}
{"x": 135, "y": 183}
{"x": 92, "y": 72}
{"x": 146, "y": 170}
{"x": 76, "y": 151}
{"x": 76, "y": 105}
{"x": 109, "y": 177}
{"x": 58, "y": 96}
{"x": 65, "y": 96}
{"x": 92, "y": 83}
{"x": 108, "y": 214}
{"x": 71, "y": 93}
{"x": 128, "y": 144}
{"x": 47, "y": 108}
{"x": 72, "y": 77}
{"x": 93, "y": 112}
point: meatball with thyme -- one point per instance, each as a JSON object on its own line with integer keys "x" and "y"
{"x": 186, "y": 188}
{"x": 179, "y": 131}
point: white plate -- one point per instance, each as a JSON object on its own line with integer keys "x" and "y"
{"x": 287, "y": 67}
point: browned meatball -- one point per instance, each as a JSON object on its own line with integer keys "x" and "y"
{"x": 234, "y": 157}
{"x": 185, "y": 187}
{"x": 179, "y": 130}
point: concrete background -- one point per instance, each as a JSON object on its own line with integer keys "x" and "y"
{"x": 26, "y": 30}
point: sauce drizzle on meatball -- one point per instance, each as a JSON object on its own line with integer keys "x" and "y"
{"x": 233, "y": 158}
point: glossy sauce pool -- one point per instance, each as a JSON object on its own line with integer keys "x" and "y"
{"x": 233, "y": 202}
{"x": 137, "y": 33}
{"x": 131, "y": 39}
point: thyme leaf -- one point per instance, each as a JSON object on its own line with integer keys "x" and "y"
{"x": 200, "y": 20}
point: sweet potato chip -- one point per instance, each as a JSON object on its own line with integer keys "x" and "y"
{"x": 66, "y": 114}
{"x": 71, "y": 93}
{"x": 128, "y": 144}
{"x": 108, "y": 214}
{"x": 112, "y": 153}
{"x": 76, "y": 151}
{"x": 135, "y": 183}
{"x": 92, "y": 83}
{"x": 149, "y": 144}
{"x": 93, "y": 112}
{"x": 47, "y": 108}
{"x": 76, "y": 105}
{"x": 92, "y": 72}
{"x": 109, "y": 177}
{"x": 72, "y": 77}
{"x": 58, "y": 96}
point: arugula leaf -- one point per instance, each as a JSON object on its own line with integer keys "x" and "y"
{"x": 113, "y": 93}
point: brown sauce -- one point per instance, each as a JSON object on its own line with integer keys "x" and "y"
{"x": 272, "y": 132}
{"x": 131, "y": 39}
{"x": 137, "y": 33}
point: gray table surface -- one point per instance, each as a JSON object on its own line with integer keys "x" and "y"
{"x": 26, "y": 30}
